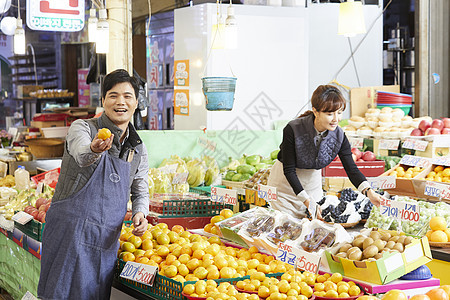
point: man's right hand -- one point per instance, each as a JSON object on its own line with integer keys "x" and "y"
{"x": 99, "y": 145}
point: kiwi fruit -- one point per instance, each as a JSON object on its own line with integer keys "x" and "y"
{"x": 401, "y": 239}
{"x": 367, "y": 242}
{"x": 399, "y": 247}
{"x": 375, "y": 235}
{"x": 408, "y": 240}
{"x": 342, "y": 254}
{"x": 370, "y": 251}
{"x": 345, "y": 247}
{"x": 355, "y": 255}
{"x": 378, "y": 255}
{"x": 394, "y": 238}
{"x": 358, "y": 242}
{"x": 390, "y": 245}
{"x": 385, "y": 236}
{"x": 379, "y": 244}
{"x": 360, "y": 236}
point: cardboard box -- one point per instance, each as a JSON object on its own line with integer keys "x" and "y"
{"x": 438, "y": 146}
{"x": 386, "y": 269}
{"x": 363, "y": 98}
{"x": 336, "y": 184}
{"x": 419, "y": 184}
{"x": 46, "y": 124}
{"x": 368, "y": 168}
{"x": 23, "y": 91}
{"x": 404, "y": 186}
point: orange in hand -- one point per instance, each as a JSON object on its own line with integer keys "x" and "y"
{"x": 104, "y": 133}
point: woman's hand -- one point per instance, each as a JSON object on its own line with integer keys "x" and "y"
{"x": 99, "y": 145}
{"x": 318, "y": 210}
{"x": 374, "y": 197}
{"x": 140, "y": 224}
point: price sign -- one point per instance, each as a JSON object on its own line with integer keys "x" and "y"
{"x": 298, "y": 258}
{"x": 356, "y": 142}
{"x": 139, "y": 272}
{"x": 22, "y": 217}
{"x": 385, "y": 202}
{"x": 383, "y": 182}
{"x": 180, "y": 178}
{"x": 415, "y": 144}
{"x": 401, "y": 210}
{"x": 222, "y": 195}
{"x": 268, "y": 193}
{"x": 444, "y": 161}
{"x": 169, "y": 168}
{"x": 445, "y": 192}
{"x": 414, "y": 161}
{"x": 207, "y": 144}
{"x": 434, "y": 189}
{"x": 389, "y": 144}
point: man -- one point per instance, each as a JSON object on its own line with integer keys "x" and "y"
{"x": 80, "y": 239}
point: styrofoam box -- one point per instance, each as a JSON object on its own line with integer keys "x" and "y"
{"x": 55, "y": 132}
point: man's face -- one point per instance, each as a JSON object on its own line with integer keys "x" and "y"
{"x": 120, "y": 103}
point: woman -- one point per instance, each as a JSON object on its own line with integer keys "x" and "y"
{"x": 310, "y": 143}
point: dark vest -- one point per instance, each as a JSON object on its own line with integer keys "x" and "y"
{"x": 308, "y": 155}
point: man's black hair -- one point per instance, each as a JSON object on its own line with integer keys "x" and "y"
{"x": 119, "y": 76}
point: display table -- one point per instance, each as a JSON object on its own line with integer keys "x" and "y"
{"x": 440, "y": 265}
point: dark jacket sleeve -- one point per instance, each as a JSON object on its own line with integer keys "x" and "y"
{"x": 353, "y": 173}
{"x": 288, "y": 158}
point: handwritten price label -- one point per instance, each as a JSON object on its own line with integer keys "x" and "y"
{"x": 445, "y": 193}
{"x": 383, "y": 182}
{"x": 356, "y": 142}
{"x": 415, "y": 144}
{"x": 180, "y": 178}
{"x": 298, "y": 258}
{"x": 443, "y": 161}
{"x": 222, "y": 195}
{"x": 139, "y": 272}
{"x": 389, "y": 144}
{"x": 437, "y": 190}
{"x": 401, "y": 210}
{"x": 415, "y": 161}
{"x": 267, "y": 193}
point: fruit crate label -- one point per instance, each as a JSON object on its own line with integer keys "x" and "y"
{"x": 139, "y": 272}
{"x": 415, "y": 161}
{"x": 437, "y": 190}
{"x": 226, "y": 196}
{"x": 268, "y": 193}
{"x": 298, "y": 258}
{"x": 356, "y": 142}
{"x": 415, "y": 144}
{"x": 443, "y": 161}
{"x": 180, "y": 178}
{"x": 405, "y": 211}
{"x": 383, "y": 182}
{"x": 389, "y": 144}
{"x": 207, "y": 144}
{"x": 22, "y": 217}
{"x": 169, "y": 169}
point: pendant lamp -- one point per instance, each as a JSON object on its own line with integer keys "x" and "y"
{"x": 351, "y": 18}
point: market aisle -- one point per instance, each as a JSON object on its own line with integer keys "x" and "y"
{"x": 118, "y": 295}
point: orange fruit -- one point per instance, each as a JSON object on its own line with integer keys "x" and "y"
{"x": 367, "y": 297}
{"x": 446, "y": 288}
{"x": 128, "y": 257}
{"x": 178, "y": 228}
{"x": 208, "y": 227}
{"x": 129, "y": 247}
{"x": 336, "y": 277}
{"x": 226, "y": 213}
{"x": 419, "y": 297}
{"x": 437, "y": 294}
{"x": 135, "y": 240}
{"x": 439, "y": 236}
{"x": 394, "y": 295}
{"x": 447, "y": 232}
{"x": 216, "y": 219}
{"x": 438, "y": 223}
{"x": 354, "y": 290}
{"x": 428, "y": 234}
{"x": 104, "y": 133}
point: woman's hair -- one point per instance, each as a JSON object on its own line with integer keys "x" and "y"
{"x": 326, "y": 98}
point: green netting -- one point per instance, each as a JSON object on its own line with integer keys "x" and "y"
{"x": 19, "y": 269}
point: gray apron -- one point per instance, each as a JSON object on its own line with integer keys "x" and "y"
{"x": 287, "y": 201}
{"x": 81, "y": 236}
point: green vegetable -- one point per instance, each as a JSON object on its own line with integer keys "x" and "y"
{"x": 274, "y": 154}
{"x": 253, "y": 159}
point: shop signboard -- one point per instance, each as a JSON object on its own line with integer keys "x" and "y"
{"x": 298, "y": 258}
{"x": 181, "y": 102}
{"x": 83, "y": 88}
{"x": 55, "y": 15}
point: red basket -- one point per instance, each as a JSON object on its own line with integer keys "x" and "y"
{"x": 46, "y": 177}
{"x": 49, "y": 117}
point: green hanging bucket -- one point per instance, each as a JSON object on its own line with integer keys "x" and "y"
{"x": 219, "y": 92}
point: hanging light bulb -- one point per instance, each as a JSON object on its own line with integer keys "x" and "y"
{"x": 19, "y": 39}
{"x": 230, "y": 29}
{"x": 102, "y": 39}
{"x": 92, "y": 25}
{"x": 8, "y": 25}
{"x": 351, "y": 18}
{"x": 4, "y": 6}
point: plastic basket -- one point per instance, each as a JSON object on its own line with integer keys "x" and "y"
{"x": 192, "y": 208}
{"x": 219, "y": 92}
{"x": 203, "y": 190}
{"x": 33, "y": 229}
{"x": 405, "y": 109}
{"x": 50, "y": 177}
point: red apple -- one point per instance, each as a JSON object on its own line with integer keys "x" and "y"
{"x": 424, "y": 125}
{"x": 47, "y": 206}
{"x": 416, "y": 132}
{"x": 355, "y": 158}
{"x": 39, "y": 202}
{"x": 357, "y": 153}
{"x": 446, "y": 122}
{"x": 360, "y": 160}
{"x": 445, "y": 131}
{"x": 41, "y": 216}
{"x": 42, "y": 207}
{"x": 439, "y": 124}
{"x": 35, "y": 213}
{"x": 432, "y": 131}
{"x": 369, "y": 156}
{"x": 29, "y": 209}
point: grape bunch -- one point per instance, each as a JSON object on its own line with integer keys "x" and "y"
{"x": 366, "y": 211}
{"x": 348, "y": 195}
{"x": 341, "y": 219}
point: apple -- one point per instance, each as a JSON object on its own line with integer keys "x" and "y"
{"x": 357, "y": 152}
{"x": 35, "y": 214}
{"x": 416, "y": 132}
{"x": 369, "y": 156}
{"x": 42, "y": 207}
{"x": 446, "y": 122}
{"x": 432, "y": 131}
{"x": 47, "y": 206}
{"x": 39, "y": 202}
{"x": 41, "y": 216}
{"x": 360, "y": 160}
{"x": 355, "y": 158}
{"x": 424, "y": 125}
{"x": 445, "y": 131}
{"x": 29, "y": 209}
{"x": 439, "y": 124}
